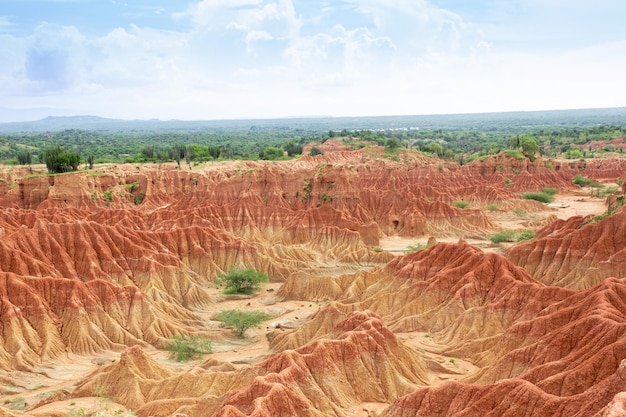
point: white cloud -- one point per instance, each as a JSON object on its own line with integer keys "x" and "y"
{"x": 260, "y": 58}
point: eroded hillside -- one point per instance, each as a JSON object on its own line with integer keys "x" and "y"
{"x": 100, "y": 269}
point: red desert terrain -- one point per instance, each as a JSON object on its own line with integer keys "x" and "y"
{"x": 386, "y": 295}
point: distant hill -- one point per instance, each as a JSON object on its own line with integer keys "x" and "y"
{"x": 478, "y": 121}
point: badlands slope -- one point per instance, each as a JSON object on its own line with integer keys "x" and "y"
{"x": 93, "y": 286}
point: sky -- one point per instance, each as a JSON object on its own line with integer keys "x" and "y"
{"x": 226, "y": 59}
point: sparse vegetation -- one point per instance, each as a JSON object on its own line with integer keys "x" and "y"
{"x": 492, "y": 207}
{"x": 538, "y": 196}
{"x": 416, "y": 247}
{"x": 139, "y": 199}
{"x": 326, "y": 198}
{"x": 108, "y": 195}
{"x": 526, "y": 235}
{"x": 308, "y": 188}
{"x": 519, "y": 212}
{"x": 550, "y": 191}
{"x": 461, "y": 204}
{"x": 16, "y": 404}
{"x": 583, "y": 181}
{"x": 184, "y": 348}
{"x": 239, "y": 280}
{"x": 242, "y": 320}
{"x": 315, "y": 151}
{"x": 132, "y": 187}
{"x": 503, "y": 236}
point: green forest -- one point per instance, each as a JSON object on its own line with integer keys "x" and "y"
{"x": 463, "y": 138}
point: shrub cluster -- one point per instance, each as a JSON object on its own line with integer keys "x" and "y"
{"x": 58, "y": 159}
{"x": 184, "y": 348}
{"x": 239, "y": 280}
{"x": 538, "y": 196}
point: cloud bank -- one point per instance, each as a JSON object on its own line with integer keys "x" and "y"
{"x": 262, "y": 58}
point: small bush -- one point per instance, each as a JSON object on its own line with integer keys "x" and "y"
{"x": 526, "y": 235}
{"x": 108, "y": 195}
{"x": 16, "y": 404}
{"x": 584, "y": 181}
{"x": 461, "y": 204}
{"x": 242, "y": 320}
{"x": 416, "y": 247}
{"x": 519, "y": 212}
{"x": 514, "y": 154}
{"x": 492, "y": 207}
{"x": 538, "y": 196}
{"x": 139, "y": 199}
{"x": 608, "y": 191}
{"x": 502, "y": 236}
{"x": 315, "y": 151}
{"x": 239, "y": 280}
{"x": 132, "y": 187}
{"x": 550, "y": 191}
{"x": 184, "y": 348}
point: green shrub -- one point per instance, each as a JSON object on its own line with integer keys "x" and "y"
{"x": 550, "y": 191}
{"x": 584, "y": 181}
{"x": 242, "y": 320}
{"x": 502, "y": 236}
{"x": 608, "y": 191}
{"x": 108, "y": 195}
{"x": 139, "y": 199}
{"x": 239, "y": 280}
{"x": 315, "y": 151}
{"x": 519, "y": 212}
{"x": 538, "y": 196}
{"x": 184, "y": 348}
{"x": 132, "y": 187}
{"x": 16, "y": 404}
{"x": 461, "y": 204}
{"x": 492, "y": 207}
{"x": 526, "y": 235}
{"x": 416, "y": 247}
{"x": 514, "y": 154}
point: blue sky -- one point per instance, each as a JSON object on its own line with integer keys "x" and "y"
{"x": 216, "y": 59}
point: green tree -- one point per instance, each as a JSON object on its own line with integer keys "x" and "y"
{"x": 434, "y": 148}
{"x": 59, "y": 159}
{"x": 214, "y": 151}
{"x": 242, "y": 320}
{"x": 24, "y": 157}
{"x": 292, "y": 148}
{"x": 239, "y": 280}
{"x": 271, "y": 154}
{"x": 177, "y": 152}
{"x": 529, "y": 147}
{"x": 392, "y": 143}
{"x": 315, "y": 151}
{"x": 90, "y": 160}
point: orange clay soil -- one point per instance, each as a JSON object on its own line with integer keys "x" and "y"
{"x": 100, "y": 269}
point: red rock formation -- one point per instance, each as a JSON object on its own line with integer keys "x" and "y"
{"x": 360, "y": 360}
{"x": 569, "y": 361}
{"x": 578, "y": 253}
